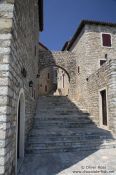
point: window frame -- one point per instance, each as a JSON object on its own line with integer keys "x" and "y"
{"x": 102, "y": 39}
{"x": 102, "y": 60}
{"x": 48, "y": 76}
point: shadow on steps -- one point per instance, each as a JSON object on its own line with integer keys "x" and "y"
{"x": 63, "y": 135}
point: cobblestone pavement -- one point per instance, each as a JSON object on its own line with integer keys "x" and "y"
{"x": 101, "y": 162}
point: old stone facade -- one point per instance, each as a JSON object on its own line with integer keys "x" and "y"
{"x": 19, "y": 27}
{"x": 46, "y": 77}
{"x": 54, "y": 74}
{"x": 91, "y": 84}
{"x": 45, "y": 84}
{"x": 89, "y": 60}
{"x": 103, "y": 79}
{"x": 92, "y": 78}
{"x": 64, "y": 60}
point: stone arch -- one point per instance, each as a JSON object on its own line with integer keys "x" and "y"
{"x": 20, "y": 128}
{"x": 62, "y": 59}
{"x": 55, "y": 65}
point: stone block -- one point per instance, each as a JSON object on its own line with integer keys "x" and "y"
{"x": 10, "y": 1}
{"x": 2, "y": 169}
{"x": 5, "y": 25}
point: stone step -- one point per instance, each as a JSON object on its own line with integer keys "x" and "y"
{"x": 63, "y": 140}
{"x": 50, "y": 138}
{"x": 57, "y": 137}
{"x": 61, "y": 120}
{"x": 61, "y": 113}
{"x": 56, "y": 104}
{"x": 65, "y": 132}
{"x": 61, "y": 117}
{"x": 64, "y": 118}
{"x": 58, "y": 114}
{"x": 70, "y": 148}
{"x": 71, "y": 111}
{"x": 63, "y": 125}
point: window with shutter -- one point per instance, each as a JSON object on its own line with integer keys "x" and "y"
{"x": 106, "y": 40}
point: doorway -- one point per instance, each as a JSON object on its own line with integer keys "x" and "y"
{"x": 104, "y": 107}
{"x": 20, "y": 141}
{"x": 18, "y": 133}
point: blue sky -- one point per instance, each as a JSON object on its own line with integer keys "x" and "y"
{"x": 62, "y": 17}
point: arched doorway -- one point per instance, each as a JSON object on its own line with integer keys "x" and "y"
{"x": 20, "y": 135}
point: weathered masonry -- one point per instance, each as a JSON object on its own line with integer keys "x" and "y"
{"x": 102, "y": 84}
{"x": 20, "y": 22}
{"x": 64, "y": 60}
{"x": 89, "y": 60}
{"x": 94, "y": 45}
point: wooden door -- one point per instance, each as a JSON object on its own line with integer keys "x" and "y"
{"x": 18, "y": 133}
{"x": 104, "y": 107}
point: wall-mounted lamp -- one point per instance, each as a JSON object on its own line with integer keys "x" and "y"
{"x": 30, "y": 83}
{"x": 38, "y": 75}
{"x": 23, "y": 72}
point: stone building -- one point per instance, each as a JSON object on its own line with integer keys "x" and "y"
{"x": 65, "y": 61}
{"x": 52, "y": 79}
{"x": 94, "y": 44}
{"x": 90, "y": 63}
{"x": 46, "y": 76}
{"x": 88, "y": 60}
{"x": 20, "y": 23}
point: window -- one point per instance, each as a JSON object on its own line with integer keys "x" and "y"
{"x": 35, "y": 50}
{"x": 46, "y": 88}
{"x": 106, "y": 40}
{"x": 106, "y": 56}
{"x": 48, "y": 76}
{"x": 63, "y": 80}
{"x": 102, "y": 62}
{"x": 78, "y": 69}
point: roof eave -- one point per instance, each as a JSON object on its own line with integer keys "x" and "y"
{"x": 82, "y": 24}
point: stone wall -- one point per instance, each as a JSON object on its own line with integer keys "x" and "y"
{"x": 79, "y": 48}
{"x": 103, "y": 78}
{"x": 62, "y": 83}
{"x": 19, "y": 26}
{"x": 95, "y": 83}
{"x": 45, "y": 81}
{"x": 112, "y": 95}
{"x": 89, "y": 50}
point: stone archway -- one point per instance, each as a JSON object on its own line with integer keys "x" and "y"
{"x": 20, "y": 134}
{"x": 55, "y": 65}
{"x": 64, "y": 60}
{"x": 58, "y": 82}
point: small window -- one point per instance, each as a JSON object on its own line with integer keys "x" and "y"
{"x": 48, "y": 76}
{"x": 55, "y": 73}
{"x": 102, "y": 62}
{"x": 34, "y": 93}
{"x": 106, "y": 56}
{"x": 35, "y": 50}
{"x": 78, "y": 69}
{"x": 46, "y": 88}
{"x": 106, "y": 40}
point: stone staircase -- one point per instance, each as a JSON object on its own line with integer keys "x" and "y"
{"x": 60, "y": 126}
